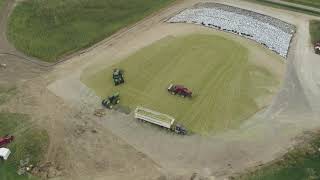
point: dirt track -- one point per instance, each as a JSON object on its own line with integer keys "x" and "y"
{"x": 123, "y": 149}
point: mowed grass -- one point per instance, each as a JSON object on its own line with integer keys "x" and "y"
{"x": 224, "y": 83}
{"x": 314, "y": 29}
{"x": 302, "y": 163}
{"x": 49, "y": 29}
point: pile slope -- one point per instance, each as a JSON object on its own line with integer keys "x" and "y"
{"x": 50, "y": 29}
{"x": 227, "y": 87}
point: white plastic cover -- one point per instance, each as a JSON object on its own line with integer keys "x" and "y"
{"x": 4, "y": 153}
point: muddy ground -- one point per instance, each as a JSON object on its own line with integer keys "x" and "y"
{"x": 83, "y": 146}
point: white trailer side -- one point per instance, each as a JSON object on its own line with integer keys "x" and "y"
{"x": 154, "y": 117}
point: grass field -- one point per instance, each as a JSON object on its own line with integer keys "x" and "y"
{"x": 50, "y": 29}
{"x": 224, "y": 82}
{"x": 311, "y": 3}
{"x": 6, "y": 93}
{"x": 287, "y": 7}
{"x": 302, "y": 163}
{"x": 1, "y": 3}
{"x": 30, "y": 141}
{"x": 314, "y": 29}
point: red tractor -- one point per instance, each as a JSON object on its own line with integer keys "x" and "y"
{"x": 180, "y": 90}
{"x": 6, "y": 140}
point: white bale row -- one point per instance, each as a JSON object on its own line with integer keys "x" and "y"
{"x": 265, "y": 33}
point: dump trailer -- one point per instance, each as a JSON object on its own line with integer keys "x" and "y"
{"x": 159, "y": 119}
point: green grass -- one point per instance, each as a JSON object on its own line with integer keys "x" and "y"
{"x": 6, "y": 93}
{"x": 1, "y": 4}
{"x": 287, "y": 7}
{"x": 314, "y": 29}
{"x": 30, "y": 141}
{"x": 311, "y": 3}
{"x": 302, "y": 163}
{"x": 217, "y": 70}
{"x": 49, "y": 29}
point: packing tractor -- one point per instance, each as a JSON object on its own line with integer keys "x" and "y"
{"x": 6, "y": 140}
{"x": 159, "y": 119}
{"x": 111, "y": 101}
{"x": 180, "y": 90}
{"x": 117, "y": 77}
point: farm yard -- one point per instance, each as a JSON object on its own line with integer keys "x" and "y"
{"x": 254, "y": 111}
{"x": 228, "y": 88}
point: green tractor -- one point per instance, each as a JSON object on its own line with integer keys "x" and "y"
{"x": 111, "y": 101}
{"x": 117, "y": 77}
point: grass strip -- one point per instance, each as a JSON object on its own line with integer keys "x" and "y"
{"x": 314, "y": 29}
{"x": 285, "y": 6}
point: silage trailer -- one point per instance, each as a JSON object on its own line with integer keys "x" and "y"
{"x": 159, "y": 119}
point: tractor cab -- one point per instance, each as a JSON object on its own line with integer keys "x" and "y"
{"x": 117, "y": 77}
{"x": 111, "y": 101}
{"x": 179, "y": 129}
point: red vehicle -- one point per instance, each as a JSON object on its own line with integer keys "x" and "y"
{"x": 180, "y": 90}
{"x": 6, "y": 140}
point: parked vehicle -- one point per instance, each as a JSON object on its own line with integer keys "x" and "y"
{"x": 118, "y": 76}
{"x": 111, "y": 101}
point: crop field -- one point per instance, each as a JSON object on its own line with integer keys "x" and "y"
{"x": 50, "y": 29}
{"x": 225, "y": 84}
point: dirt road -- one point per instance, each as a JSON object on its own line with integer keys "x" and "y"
{"x": 116, "y": 147}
